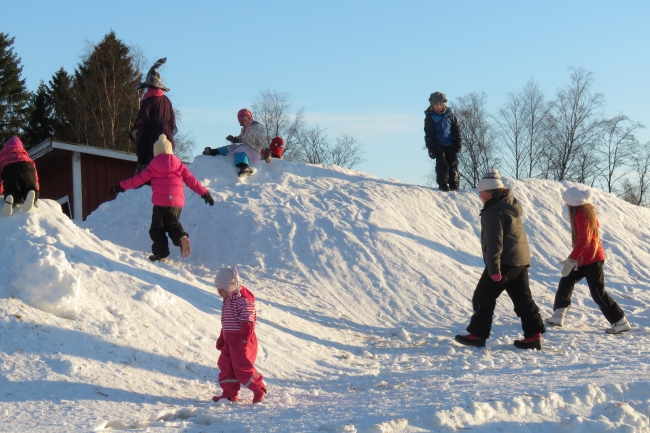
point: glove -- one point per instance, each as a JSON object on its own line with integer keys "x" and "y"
{"x": 496, "y": 277}
{"x": 246, "y": 331}
{"x": 231, "y": 139}
{"x": 458, "y": 145}
{"x": 115, "y": 190}
{"x": 207, "y": 151}
{"x": 208, "y": 198}
{"x": 568, "y": 265}
{"x": 220, "y": 341}
{"x": 432, "y": 154}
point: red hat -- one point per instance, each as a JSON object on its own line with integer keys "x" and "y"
{"x": 244, "y": 112}
{"x": 277, "y": 147}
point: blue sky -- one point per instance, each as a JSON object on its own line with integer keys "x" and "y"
{"x": 365, "y": 68}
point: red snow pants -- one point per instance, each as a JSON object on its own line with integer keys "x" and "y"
{"x": 236, "y": 365}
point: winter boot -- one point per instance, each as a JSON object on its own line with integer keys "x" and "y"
{"x": 185, "y": 247}
{"x": 621, "y": 326}
{"x": 216, "y": 398}
{"x": 557, "y": 319}
{"x": 453, "y": 187}
{"x": 471, "y": 340}
{"x": 266, "y": 155}
{"x": 443, "y": 187}
{"x": 244, "y": 170}
{"x": 534, "y": 342}
{"x": 155, "y": 258}
{"x": 8, "y": 207}
{"x": 29, "y": 201}
{"x": 259, "y": 395}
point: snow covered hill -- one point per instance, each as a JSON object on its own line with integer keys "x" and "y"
{"x": 361, "y": 284}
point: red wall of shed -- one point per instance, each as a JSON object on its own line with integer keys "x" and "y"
{"x": 98, "y": 175}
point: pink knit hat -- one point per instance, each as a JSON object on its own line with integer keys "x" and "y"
{"x": 228, "y": 279}
{"x": 244, "y": 112}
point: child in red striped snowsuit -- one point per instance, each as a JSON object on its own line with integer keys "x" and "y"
{"x": 237, "y": 342}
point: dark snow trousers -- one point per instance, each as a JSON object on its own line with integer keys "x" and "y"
{"x": 18, "y": 179}
{"x": 447, "y": 166}
{"x": 515, "y": 282}
{"x": 595, "y": 276}
{"x": 165, "y": 220}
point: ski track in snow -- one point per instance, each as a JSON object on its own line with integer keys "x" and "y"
{"x": 361, "y": 284}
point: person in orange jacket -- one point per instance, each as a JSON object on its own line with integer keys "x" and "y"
{"x": 237, "y": 341}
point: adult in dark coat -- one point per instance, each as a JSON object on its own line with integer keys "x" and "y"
{"x": 156, "y": 116}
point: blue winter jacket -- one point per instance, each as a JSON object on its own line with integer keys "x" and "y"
{"x": 441, "y": 129}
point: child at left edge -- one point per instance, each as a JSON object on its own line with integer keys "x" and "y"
{"x": 237, "y": 340}
{"x": 19, "y": 177}
{"x": 167, "y": 174}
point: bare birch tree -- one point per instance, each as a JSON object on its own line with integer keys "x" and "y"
{"x": 635, "y": 189}
{"x": 574, "y": 127}
{"x": 617, "y": 149}
{"x": 512, "y": 128}
{"x": 273, "y": 109}
{"x": 346, "y": 152}
{"x": 479, "y": 138}
{"x": 535, "y": 110}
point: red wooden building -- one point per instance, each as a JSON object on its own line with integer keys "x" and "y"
{"x": 79, "y": 177}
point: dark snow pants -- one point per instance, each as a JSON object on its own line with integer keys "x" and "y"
{"x": 593, "y": 272}
{"x": 164, "y": 220}
{"x": 236, "y": 365}
{"x": 515, "y": 282}
{"x": 18, "y": 179}
{"x": 447, "y": 166}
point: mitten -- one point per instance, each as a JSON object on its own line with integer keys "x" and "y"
{"x": 568, "y": 265}
{"x": 458, "y": 145}
{"x": 220, "y": 341}
{"x": 207, "y": 151}
{"x": 115, "y": 190}
{"x": 432, "y": 154}
{"x": 496, "y": 277}
{"x": 246, "y": 331}
{"x": 231, "y": 139}
{"x": 208, "y": 198}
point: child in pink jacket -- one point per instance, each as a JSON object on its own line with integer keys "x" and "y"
{"x": 19, "y": 177}
{"x": 237, "y": 341}
{"x": 167, "y": 174}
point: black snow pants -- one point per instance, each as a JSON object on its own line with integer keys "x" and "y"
{"x": 447, "y": 166}
{"x": 593, "y": 272}
{"x": 18, "y": 179}
{"x": 515, "y": 282}
{"x": 165, "y": 220}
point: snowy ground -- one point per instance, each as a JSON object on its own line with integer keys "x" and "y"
{"x": 361, "y": 284}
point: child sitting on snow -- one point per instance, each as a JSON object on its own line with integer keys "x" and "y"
{"x": 237, "y": 341}
{"x": 19, "y": 177}
{"x": 167, "y": 174}
{"x": 252, "y": 147}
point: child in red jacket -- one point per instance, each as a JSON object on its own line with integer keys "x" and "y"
{"x": 19, "y": 177}
{"x": 585, "y": 261}
{"x": 237, "y": 341}
{"x": 167, "y": 174}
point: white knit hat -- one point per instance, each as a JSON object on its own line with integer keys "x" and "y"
{"x": 228, "y": 279}
{"x": 162, "y": 145}
{"x": 491, "y": 180}
{"x": 576, "y": 196}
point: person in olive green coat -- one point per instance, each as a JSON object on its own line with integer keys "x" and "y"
{"x": 507, "y": 257}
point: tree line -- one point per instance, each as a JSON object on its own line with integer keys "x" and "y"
{"x": 564, "y": 138}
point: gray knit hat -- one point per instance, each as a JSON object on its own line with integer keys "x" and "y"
{"x": 438, "y": 98}
{"x": 153, "y": 77}
{"x": 491, "y": 180}
{"x": 228, "y": 279}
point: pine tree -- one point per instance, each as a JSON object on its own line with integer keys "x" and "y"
{"x": 14, "y": 97}
{"x": 60, "y": 99}
{"x": 105, "y": 98}
{"x": 39, "y": 123}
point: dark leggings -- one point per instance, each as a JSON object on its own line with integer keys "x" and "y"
{"x": 593, "y": 272}
{"x": 165, "y": 219}
{"x": 515, "y": 282}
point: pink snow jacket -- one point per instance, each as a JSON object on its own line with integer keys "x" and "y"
{"x": 167, "y": 174}
{"x": 13, "y": 151}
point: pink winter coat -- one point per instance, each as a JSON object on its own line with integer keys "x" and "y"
{"x": 13, "y": 151}
{"x": 167, "y": 174}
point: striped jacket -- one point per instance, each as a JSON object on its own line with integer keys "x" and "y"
{"x": 237, "y": 310}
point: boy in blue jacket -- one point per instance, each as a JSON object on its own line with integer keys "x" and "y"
{"x": 443, "y": 140}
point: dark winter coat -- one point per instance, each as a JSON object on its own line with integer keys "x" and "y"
{"x": 441, "y": 129}
{"x": 503, "y": 238}
{"x": 156, "y": 116}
